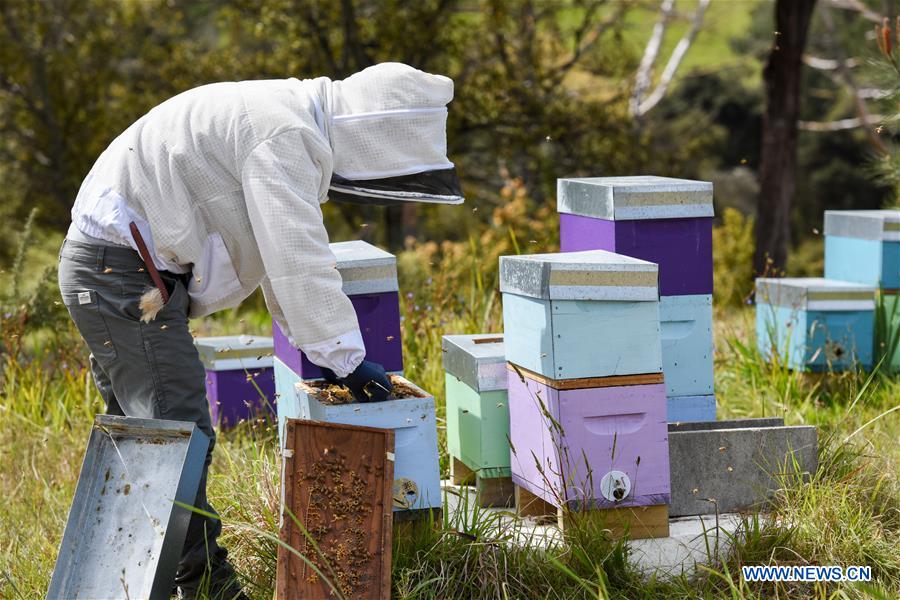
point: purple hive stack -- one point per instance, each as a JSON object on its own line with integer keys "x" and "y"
{"x": 668, "y": 222}
{"x": 240, "y": 384}
{"x": 588, "y": 422}
{"x": 370, "y": 281}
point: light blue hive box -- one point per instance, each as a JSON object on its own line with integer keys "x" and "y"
{"x": 687, "y": 357}
{"x": 581, "y": 314}
{"x": 816, "y": 324}
{"x": 863, "y": 246}
{"x": 416, "y": 469}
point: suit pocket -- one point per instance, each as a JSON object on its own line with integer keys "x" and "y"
{"x": 84, "y": 308}
{"x": 214, "y": 277}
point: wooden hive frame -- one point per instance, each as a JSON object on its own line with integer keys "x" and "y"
{"x": 347, "y": 536}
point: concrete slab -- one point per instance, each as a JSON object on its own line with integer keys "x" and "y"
{"x": 732, "y": 466}
{"x": 692, "y": 540}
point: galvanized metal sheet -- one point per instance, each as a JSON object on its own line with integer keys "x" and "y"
{"x": 230, "y": 352}
{"x": 364, "y": 268}
{"x": 634, "y": 198}
{"x": 815, "y": 293}
{"x": 125, "y": 533}
{"x": 864, "y": 224}
{"x": 587, "y": 275}
{"x": 477, "y": 360}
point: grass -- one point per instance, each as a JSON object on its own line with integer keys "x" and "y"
{"x": 849, "y": 513}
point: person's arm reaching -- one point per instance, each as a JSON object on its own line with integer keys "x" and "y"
{"x": 282, "y": 187}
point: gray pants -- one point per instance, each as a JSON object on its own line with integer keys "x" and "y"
{"x": 149, "y": 370}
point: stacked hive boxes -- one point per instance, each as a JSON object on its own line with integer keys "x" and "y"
{"x": 814, "y": 323}
{"x": 668, "y": 222}
{"x": 370, "y": 280}
{"x": 239, "y": 379}
{"x": 587, "y": 402}
{"x": 863, "y": 246}
{"x": 478, "y": 415}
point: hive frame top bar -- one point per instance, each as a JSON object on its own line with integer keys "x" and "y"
{"x": 364, "y": 268}
{"x": 477, "y": 360}
{"x": 587, "y": 275}
{"x": 864, "y": 224}
{"x": 815, "y": 293}
{"x": 634, "y": 198}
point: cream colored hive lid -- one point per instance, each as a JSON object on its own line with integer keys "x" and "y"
{"x": 228, "y": 352}
{"x": 815, "y": 293}
{"x": 588, "y": 275}
{"x": 864, "y": 224}
{"x": 634, "y": 198}
{"x": 364, "y": 268}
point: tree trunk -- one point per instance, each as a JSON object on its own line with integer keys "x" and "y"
{"x": 779, "y": 137}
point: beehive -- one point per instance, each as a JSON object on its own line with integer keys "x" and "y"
{"x": 815, "y": 323}
{"x": 478, "y": 415}
{"x": 556, "y": 307}
{"x": 239, "y": 378}
{"x": 863, "y": 246}
{"x": 687, "y": 356}
{"x": 370, "y": 281}
{"x": 599, "y": 441}
{"x": 669, "y": 222}
{"x": 658, "y": 219}
{"x": 416, "y": 469}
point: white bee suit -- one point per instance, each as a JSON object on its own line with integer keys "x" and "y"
{"x": 226, "y": 181}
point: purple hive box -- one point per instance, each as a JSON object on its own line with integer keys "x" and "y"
{"x": 369, "y": 277}
{"x": 610, "y": 447}
{"x": 658, "y": 219}
{"x": 233, "y": 365}
{"x": 379, "y": 321}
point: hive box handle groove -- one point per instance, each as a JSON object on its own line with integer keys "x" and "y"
{"x": 619, "y": 424}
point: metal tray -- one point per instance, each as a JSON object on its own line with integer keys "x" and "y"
{"x": 125, "y": 534}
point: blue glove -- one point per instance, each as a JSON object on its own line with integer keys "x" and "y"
{"x": 368, "y": 383}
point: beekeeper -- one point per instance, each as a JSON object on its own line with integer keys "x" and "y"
{"x": 218, "y": 191}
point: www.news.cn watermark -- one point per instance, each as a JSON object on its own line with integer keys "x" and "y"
{"x": 806, "y": 573}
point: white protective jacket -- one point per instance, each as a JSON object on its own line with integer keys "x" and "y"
{"x": 226, "y": 181}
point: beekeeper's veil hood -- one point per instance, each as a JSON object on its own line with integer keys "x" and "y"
{"x": 387, "y": 126}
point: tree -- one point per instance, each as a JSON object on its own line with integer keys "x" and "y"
{"x": 782, "y": 76}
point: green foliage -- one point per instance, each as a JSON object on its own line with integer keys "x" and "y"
{"x": 33, "y": 308}
{"x": 733, "y": 259}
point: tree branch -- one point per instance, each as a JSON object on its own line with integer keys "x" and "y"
{"x": 828, "y": 64}
{"x": 651, "y": 52}
{"x": 840, "y": 124}
{"x": 684, "y": 44}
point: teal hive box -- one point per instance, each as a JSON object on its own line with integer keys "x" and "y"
{"x": 477, "y": 413}
{"x": 863, "y": 246}
{"x": 417, "y": 482}
{"x": 814, "y": 323}
{"x": 581, "y": 314}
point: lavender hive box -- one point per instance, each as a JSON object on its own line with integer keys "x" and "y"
{"x": 816, "y": 323}
{"x": 557, "y": 306}
{"x": 863, "y": 246}
{"x": 658, "y": 219}
{"x": 235, "y": 367}
{"x": 369, "y": 277}
{"x": 603, "y": 434}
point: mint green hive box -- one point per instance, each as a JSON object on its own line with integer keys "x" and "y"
{"x": 478, "y": 415}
